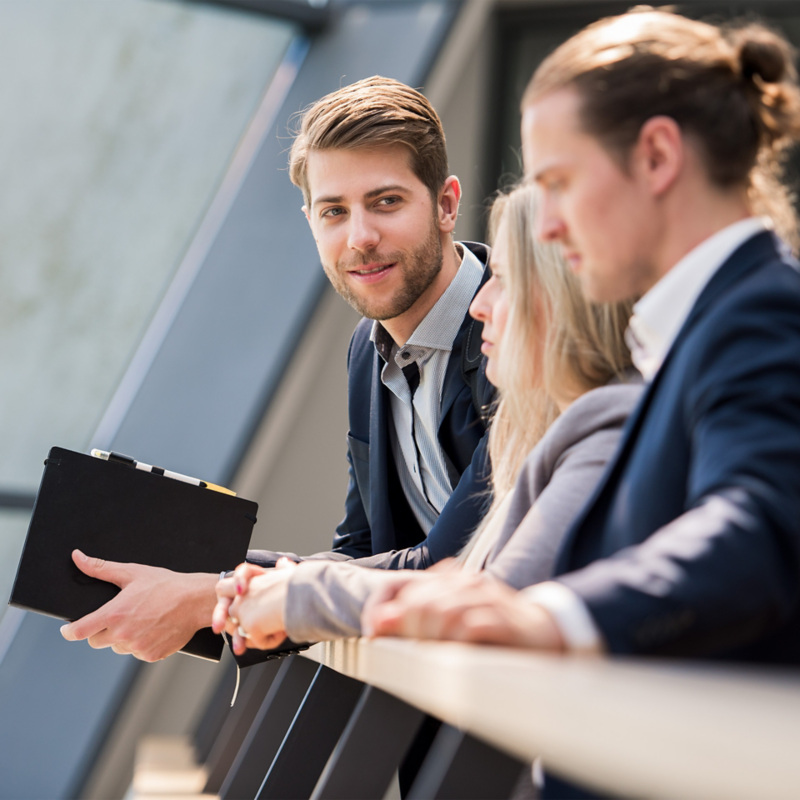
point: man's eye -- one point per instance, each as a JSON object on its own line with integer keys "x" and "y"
{"x": 332, "y": 212}
{"x": 388, "y": 201}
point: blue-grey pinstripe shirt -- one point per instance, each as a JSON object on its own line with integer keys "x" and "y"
{"x": 418, "y": 456}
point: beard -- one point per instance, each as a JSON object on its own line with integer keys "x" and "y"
{"x": 418, "y": 269}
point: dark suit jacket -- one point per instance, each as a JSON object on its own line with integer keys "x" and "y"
{"x": 378, "y": 520}
{"x": 691, "y": 543}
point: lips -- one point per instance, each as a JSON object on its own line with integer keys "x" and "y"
{"x": 371, "y": 273}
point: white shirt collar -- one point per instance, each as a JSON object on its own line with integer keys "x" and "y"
{"x": 660, "y": 314}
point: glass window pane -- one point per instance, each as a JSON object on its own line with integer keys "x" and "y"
{"x": 119, "y": 120}
{"x": 13, "y": 527}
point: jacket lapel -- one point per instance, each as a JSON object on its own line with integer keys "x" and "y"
{"x": 744, "y": 260}
{"x": 380, "y": 451}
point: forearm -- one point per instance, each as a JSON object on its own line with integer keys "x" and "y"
{"x": 325, "y": 600}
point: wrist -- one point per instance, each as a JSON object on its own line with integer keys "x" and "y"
{"x": 201, "y": 598}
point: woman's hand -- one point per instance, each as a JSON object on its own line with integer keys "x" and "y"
{"x": 462, "y": 607}
{"x": 251, "y": 606}
{"x": 391, "y": 585}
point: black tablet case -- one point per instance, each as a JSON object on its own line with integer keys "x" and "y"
{"x": 113, "y": 511}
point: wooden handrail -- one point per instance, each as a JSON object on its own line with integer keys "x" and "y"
{"x": 630, "y": 727}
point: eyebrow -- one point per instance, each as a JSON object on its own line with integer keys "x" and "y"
{"x": 395, "y": 187}
{"x": 541, "y": 172}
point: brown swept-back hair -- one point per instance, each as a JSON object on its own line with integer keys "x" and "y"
{"x": 375, "y": 112}
{"x": 733, "y": 89}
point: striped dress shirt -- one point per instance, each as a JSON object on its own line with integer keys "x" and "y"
{"x": 419, "y": 458}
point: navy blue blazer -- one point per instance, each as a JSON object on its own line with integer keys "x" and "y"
{"x": 379, "y": 527}
{"x": 690, "y": 545}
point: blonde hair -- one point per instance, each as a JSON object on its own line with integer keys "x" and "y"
{"x": 734, "y": 89}
{"x": 583, "y": 348}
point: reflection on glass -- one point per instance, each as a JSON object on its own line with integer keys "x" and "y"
{"x": 119, "y": 120}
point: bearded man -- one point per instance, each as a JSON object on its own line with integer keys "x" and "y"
{"x": 371, "y": 162}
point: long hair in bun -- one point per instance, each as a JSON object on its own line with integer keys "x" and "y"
{"x": 735, "y": 89}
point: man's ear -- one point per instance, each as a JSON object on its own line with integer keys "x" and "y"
{"x": 659, "y": 154}
{"x": 449, "y": 198}
{"x": 305, "y": 211}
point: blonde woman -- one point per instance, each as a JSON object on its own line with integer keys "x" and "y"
{"x": 562, "y": 369}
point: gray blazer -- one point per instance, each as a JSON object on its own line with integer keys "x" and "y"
{"x": 325, "y": 598}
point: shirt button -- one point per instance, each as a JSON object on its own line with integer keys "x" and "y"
{"x": 406, "y": 356}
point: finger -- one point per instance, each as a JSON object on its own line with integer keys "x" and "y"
{"x": 234, "y": 611}
{"x": 86, "y": 626}
{"x": 120, "y": 650}
{"x": 103, "y": 639}
{"x": 385, "y": 593}
{"x": 226, "y": 587}
{"x": 382, "y": 620}
{"x": 485, "y": 626}
{"x": 285, "y": 563}
{"x": 220, "y": 614}
{"x": 110, "y": 571}
{"x": 243, "y": 574}
{"x": 239, "y": 643}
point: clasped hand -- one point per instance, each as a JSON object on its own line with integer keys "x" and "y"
{"x": 449, "y": 604}
{"x": 251, "y": 606}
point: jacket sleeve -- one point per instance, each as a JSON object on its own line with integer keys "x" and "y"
{"x": 325, "y": 600}
{"x": 727, "y": 571}
{"x": 541, "y": 521}
{"x": 451, "y": 531}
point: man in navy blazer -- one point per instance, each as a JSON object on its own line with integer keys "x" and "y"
{"x": 690, "y": 546}
{"x": 371, "y": 162}
{"x": 378, "y": 520}
{"x": 385, "y": 522}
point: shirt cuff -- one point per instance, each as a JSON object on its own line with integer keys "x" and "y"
{"x": 575, "y": 623}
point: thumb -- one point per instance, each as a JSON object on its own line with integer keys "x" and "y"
{"x": 110, "y": 571}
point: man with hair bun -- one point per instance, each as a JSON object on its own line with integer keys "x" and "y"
{"x": 371, "y": 162}
{"x": 656, "y": 144}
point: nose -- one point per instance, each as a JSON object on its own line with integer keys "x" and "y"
{"x": 549, "y": 225}
{"x": 481, "y": 306}
{"x": 362, "y": 234}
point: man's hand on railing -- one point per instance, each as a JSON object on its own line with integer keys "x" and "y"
{"x": 461, "y": 607}
{"x": 251, "y": 606}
